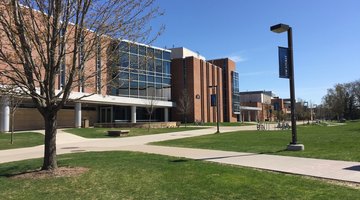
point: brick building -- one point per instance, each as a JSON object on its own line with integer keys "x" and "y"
{"x": 191, "y": 72}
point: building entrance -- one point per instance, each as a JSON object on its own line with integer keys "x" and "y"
{"x": 105, "y": 114}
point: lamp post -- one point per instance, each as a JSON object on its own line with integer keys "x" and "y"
{"x": 280, "y": 28}
{"x": 217, "y": 107}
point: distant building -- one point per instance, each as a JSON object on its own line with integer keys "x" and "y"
{"x": 190, "y": 71}
{"x": 256, "y": 106}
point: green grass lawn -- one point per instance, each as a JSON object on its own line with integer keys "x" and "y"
{"x": 24, "y": 139}
{"x": 102, "y": 132}
{"x": 124, "y": 175}
{"x": 221, "y": 124}
{"x": 328, "y": 142}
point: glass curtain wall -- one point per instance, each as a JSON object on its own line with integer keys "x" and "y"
{"x": 235, "y": 92}
{"x": 142, "y": 72}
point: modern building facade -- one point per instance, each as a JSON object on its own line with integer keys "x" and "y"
{"x": 192, "y": 73}
{"x": 140, "y": 77}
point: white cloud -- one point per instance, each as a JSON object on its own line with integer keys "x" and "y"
{"x": 258, "y": 73}
{"x": 237, "y": 58}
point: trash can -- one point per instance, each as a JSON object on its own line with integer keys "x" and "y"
{"x": 85, "y": 123}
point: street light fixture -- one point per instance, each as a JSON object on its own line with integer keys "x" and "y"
{"x": 280, "y": 28}
{"x": 217, "y": 107}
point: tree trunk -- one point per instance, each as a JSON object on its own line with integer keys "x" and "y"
{"x": 149, "y": 123}
{"x": 50, "y": 162}
{"x": 12, "y": 127}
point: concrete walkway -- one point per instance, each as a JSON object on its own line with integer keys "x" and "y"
{"x": 68, "y": 143}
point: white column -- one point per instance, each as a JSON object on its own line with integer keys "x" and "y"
{"x": 166, "y": 114}
{"x": 249, "y": 115}
{"x": 5, "y": 117}
{"x": 133, "y": 114}
{"x": 77, "y": 115}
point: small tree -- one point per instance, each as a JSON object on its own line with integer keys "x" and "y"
{"x": 150, "y": 108}
{"x": 184, "y": 105}
{"x": 13, "y": 98}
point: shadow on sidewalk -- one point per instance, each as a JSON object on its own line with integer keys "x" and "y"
{"x": 353, "y": 168}
{"x": 243, "y": 155}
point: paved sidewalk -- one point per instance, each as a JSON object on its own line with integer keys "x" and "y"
{"x": 68, "y": 143}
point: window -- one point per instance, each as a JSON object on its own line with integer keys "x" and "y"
{"x": 134, "y": 76}
{"x": 158, "y": 64}
{"x": 142, "y": 77}
{"x": 158, "y": 79}
{"x": 142, "y": 50}
{"x": 124, "y": 59}
{"x": 150, "y": 79}
{"x": 142, "y": 62}
{"x": 134, "y": 48}
{"x": 124, "y": 46}
{"x": 124, "y": 75}
{"x": 150, "y": 90}
{"x": 167, "y": 81}
{"x": 166, "y": 55}
{"x": 158, "y": 54}
{"x": 150, "y": 64}
{"x": 158, "y": 91}
{"x": 150, "y": 52}
{"x": 166, "y": 65}
{"x": 142, "y": 89}
{"x": 235, "y": 92}
{"x": 124, "y": 88}
{"x": 134, "y": 61}
{"x": 134, "y": 88}
{"x": 141, "y": 71}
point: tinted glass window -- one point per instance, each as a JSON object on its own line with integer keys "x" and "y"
{"x": 167, "y": 81}
{"x": 142, "y": 50}
{"x": 166, "y": 55}
{"x": 124, "y": 75}
{"x": 158, "y": 64}
{"x": 158, "y": 54}
{"x": 124, "y": 59}
{"x": 134, "y": 61}
{"x": 124, "y": 46}
{"x": 142, "y": 77}
{"x": 150, "y": 79}
{"x": 134, "y": 48}
{"x": 142, "y": 62}
{"x": 150, "y": 64}
{"x": 134, "y": 88}
{"x": 167, "y": 69}
{"x": 158, "y": 80}
{"x": 150, "y": 52}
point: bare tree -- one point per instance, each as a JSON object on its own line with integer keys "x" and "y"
{"x": 13, "y": 98}
{"x": 42, "y": 40}
{"x": 151, "y": 103}
{"x": 184, "y": 105}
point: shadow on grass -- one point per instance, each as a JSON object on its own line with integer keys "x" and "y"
{"x": 179, "y": 160}
{"x": 273, "y": 152}
{"x": 11, "y": 171}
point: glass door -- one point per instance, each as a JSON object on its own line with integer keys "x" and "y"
{"x": 105, "y": 114}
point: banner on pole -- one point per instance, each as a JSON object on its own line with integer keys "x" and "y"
{"x": 284, "y": 62}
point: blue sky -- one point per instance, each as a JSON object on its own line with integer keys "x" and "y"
{"x": 326, "y": 37}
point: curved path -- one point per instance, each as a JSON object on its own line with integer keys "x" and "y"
{"x": 68, "y": 143}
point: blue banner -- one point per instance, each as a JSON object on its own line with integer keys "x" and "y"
{"x": 284, "y": 63}
{"x": 213, "y": 99}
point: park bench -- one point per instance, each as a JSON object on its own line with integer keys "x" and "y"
{"x": 117, "y": 133}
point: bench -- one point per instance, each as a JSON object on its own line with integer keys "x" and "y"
{"x": 117, "y": 133}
